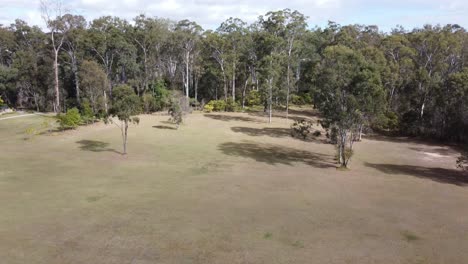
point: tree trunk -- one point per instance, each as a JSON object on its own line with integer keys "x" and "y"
{"x": 270, "y": 100}
{"x": 56, "y": 84}
{"x": 124, "y": 136}
{"x": 77, "y": 80}
{"x": 361, "y": 126}
{"x": 288, "y": 91}
{"x": 105, "y": 102}
{"x": 244, "y": 91}
{"x": 187, "y": 57}
{"x": 225, "y": 85}
{"x": 234, "y": 82}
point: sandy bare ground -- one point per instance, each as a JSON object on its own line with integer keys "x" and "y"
{"x": 225, "y": 188}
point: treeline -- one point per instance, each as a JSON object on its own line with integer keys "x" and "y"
{"x": 417, "y": 80}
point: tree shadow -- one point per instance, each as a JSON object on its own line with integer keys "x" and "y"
{"x": 265, "y": 115}
{"x": 96, "y": 146}
{"x": 276, "y": 154}
{"x": 441, "y": 175}
{"x": 165, "y": 127}
{"x": 229, "y": 118}
{"x": 275, "y": 132}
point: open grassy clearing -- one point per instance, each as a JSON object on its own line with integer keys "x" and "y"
{"x": 225, "y": 188}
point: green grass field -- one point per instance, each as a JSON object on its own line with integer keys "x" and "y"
{"x": 224, "y": 188}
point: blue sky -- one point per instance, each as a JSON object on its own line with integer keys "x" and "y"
{"x": 210, "y": 13}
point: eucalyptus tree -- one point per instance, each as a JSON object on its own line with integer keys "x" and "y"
{"x": 106, "y": 41}
{"x": 218, "y": 51}
{"x": 52, "y": 14}
{"x": 188, "y": 35}
{"x": 233, "y": 30}
{"x": 149, "y": 35}
{"x": 295, "y": 27}
{"x": 125, "y": 106}
{"x": 94, "y": 83}
{"x": 74, "y": 45}
{"x": 348, "y": 88}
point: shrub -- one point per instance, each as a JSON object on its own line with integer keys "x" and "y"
{"x": 162, "y": 96}
{"x": 194, "y": 103}
{"x": 175, "y": 110}
{"x": 70, "y": 120}
{"x": 231, "y": 105}
{"x": 87, "y": 113}
{"x": 253, "y": 98}
{"x": 1, "y": 102}
{"x": 218, "y": 105}
{"x": 208, "y": 108}
{"x": 301, "y": 128}
{"x": 301, "y": 99}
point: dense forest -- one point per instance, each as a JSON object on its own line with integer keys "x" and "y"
{"x": 412, "y": 82}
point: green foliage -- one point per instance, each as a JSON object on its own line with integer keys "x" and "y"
{"x": 301, "y": 128}
{"x": 388, "y": 121}
{"x": 87, "y": 113}
{"x": 253, "y": 98}
{"x": 208, "y": 108}
{"x": 301, "y": 99}
{"x": 70, "y": 120}
{"x": 350, "y": 94}
{"x": 176, "y": 111}
{"x": 125, "y": 103}
{"x": 216, "y": 105}
{"x": 161, "y": 96}
{"x": 2, "y": 103}
{"x": 231, "y": 105}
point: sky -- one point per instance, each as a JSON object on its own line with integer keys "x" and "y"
{"x": 210, "y": 13}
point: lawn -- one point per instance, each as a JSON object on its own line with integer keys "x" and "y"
{"x": 225, "y": 188}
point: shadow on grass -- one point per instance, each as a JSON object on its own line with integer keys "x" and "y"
{"x": 276, "y": 132}
{"x": 228, "y": 118}
{"x": 275, "y": 114}
{"x": 267, "y": 131}
{"x": 96, "y": 146}
{"x": 165, "y": 127}
{"x": 441, "y": 175}
{"x": 276, "y": 154}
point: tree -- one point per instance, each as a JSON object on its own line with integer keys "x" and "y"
{"x": 55, "y": 24}
{"x": 94, "y": 83}
{"x": 75, "y": 27}
{"x": 125, "y": 105}
{"x": 188, "y": 36}
{"x": 347, "y": 84}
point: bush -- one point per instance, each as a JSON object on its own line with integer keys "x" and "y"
{"x": 231, "y": 105}
{"x": 302, "y": 99}
{"x": 254, "y": 98}
{"x": 1, "y": 102}
{"x": 87, "y": 113}
{"x": 218, "y": 105}
{"x": 388, "y": 121}
{"x": 70, "y": 120}
{"x": 175, "y": 110}
{"x": 301, "y": 128}
{"x": 208, "y": 108}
